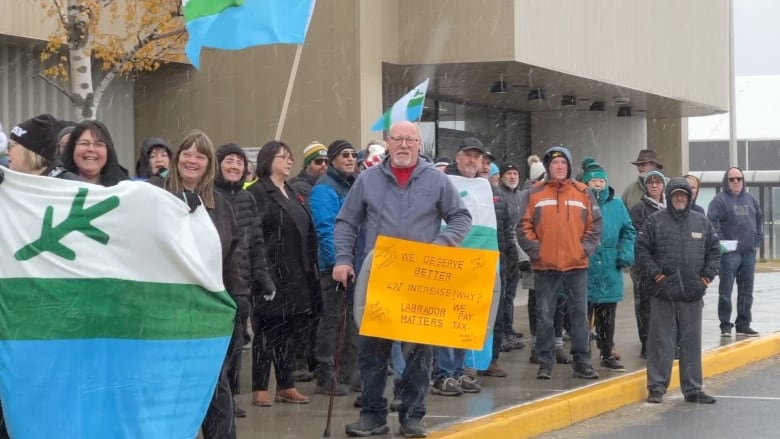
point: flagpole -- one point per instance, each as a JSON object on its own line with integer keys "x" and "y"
{"x": 288, "y": 94}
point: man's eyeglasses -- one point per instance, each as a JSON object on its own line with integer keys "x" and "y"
{"x": 734, "y": 179}
{"x": 409, "y": 140}
{"x": 320, "y": 161}
{"x": 86, "y": 143}
{"x": 347, "y": 154}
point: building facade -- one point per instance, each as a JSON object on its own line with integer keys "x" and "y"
{"x": 565, "y": 70}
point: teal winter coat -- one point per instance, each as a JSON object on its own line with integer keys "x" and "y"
{"x": 615, "y": 251}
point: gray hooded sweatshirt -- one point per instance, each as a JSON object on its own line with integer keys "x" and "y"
{"x": 377, "y": 205}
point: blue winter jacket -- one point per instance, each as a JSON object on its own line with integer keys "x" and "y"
{"x": 615, "y": 251}
{"x": 325, "y": 201}
{"x": 737, "y": 217}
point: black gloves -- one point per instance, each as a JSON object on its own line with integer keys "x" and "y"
{"x": 524, "y": 266}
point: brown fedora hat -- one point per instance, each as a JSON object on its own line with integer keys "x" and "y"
{"x": 647, "y": 155}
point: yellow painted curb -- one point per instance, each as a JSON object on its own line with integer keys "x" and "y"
{"x": 564, "y": 409}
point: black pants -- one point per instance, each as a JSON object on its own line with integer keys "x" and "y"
{"x": 508, "y": 307}
{"x": 273, "y": 343}
{"x": 560, "y": 313}
{"x": 234, "y": 371}
{"x": 305, "y": 343}
{"x": 605, "y": 326}
{"x": 327, "y": 338}
{"x": 641, "y": 310}
{"x": 219, "y": 422}
{"x": 3, "y": 431}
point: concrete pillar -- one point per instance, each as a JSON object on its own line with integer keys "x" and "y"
{"x": 669, "y": 139}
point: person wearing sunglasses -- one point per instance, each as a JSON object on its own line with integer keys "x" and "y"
{"x": 737, "y": 216}
{"x": 327, "y": 196}
{"x": 315, "y": 163}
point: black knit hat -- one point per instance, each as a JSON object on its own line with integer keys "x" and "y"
{"x": 39, "y": 135}
{"x": 336, "y": 147}
{"x": 231, "y": 148}
{"x": 508, "y": 166}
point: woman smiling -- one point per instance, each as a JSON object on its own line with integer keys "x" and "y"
{"x": 90, "y": 154}
{"x": 192, "y": 178}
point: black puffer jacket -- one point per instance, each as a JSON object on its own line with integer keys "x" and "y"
{"x": 682, "y": 245}
{"x": 253, "y": 265}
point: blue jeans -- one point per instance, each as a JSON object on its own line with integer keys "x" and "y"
{"x": 374, "y": 357}
{"x": 741, "y": 266}
{"x": 450, "y": 362}
{"x": 574, "y": 284}
{"x": 398, "y": 359}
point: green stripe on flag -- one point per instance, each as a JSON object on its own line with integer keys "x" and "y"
{"x": 194, "y": 9}
{"x": 416, "y": 102}
{"x": 481, "y": 237}
{"x": 55, "y": 309}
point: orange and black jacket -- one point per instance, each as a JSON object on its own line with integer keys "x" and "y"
{"x": 560, "y": 225}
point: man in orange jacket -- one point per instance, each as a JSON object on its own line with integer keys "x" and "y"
{"x": 559, "y": 230}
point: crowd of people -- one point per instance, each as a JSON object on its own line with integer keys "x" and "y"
{"x": 292, "y": 245}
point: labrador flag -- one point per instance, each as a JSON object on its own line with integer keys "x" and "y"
{"x": 114, "y": 321}
{"x": 239, "y": 24}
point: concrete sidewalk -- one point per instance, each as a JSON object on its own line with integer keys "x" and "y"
{"x": 520, "y": 405}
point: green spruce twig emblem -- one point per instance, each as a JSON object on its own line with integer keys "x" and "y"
{"x": 79, "y": 220}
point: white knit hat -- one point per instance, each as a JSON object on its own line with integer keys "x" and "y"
{"x": 537, "y": 168}
{"x": 3, "y": 140}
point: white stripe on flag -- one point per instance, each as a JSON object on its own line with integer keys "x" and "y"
{"x": 152, "y": 235}
{"x": 477, "y": 196}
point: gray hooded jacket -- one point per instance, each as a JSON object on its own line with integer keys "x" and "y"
{"x": 377, "y": 205}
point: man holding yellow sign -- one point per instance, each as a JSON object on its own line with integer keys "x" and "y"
{"x": 403, "y": 197}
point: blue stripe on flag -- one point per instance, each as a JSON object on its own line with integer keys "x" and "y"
{"x": 254, "y": 23}
{"x": 108, "y": 388}
{"x": 414, "y": 113}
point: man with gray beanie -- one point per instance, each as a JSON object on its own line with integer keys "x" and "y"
{"x": 560, "y": 228}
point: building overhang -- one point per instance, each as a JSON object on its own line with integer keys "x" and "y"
{"x": 476, "y": 84}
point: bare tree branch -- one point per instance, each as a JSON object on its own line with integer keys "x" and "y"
{"x": 61, "y": 13}
{"x": 54, "y": 84}
{"x": 129, "y": 55}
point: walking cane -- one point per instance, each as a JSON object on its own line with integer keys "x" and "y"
{"x": 337, "y": 355}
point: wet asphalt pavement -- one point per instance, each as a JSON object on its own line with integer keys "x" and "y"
{"x": 308, "y": 421}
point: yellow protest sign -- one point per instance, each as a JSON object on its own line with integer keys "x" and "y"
{"x": 427, "y": 293}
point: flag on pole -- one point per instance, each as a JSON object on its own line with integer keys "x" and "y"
{"x": 409, "y": 107}
{"x": 114, "y": 321}
{"x": 477, "y": 196}
{"x": 238, "y": 24}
